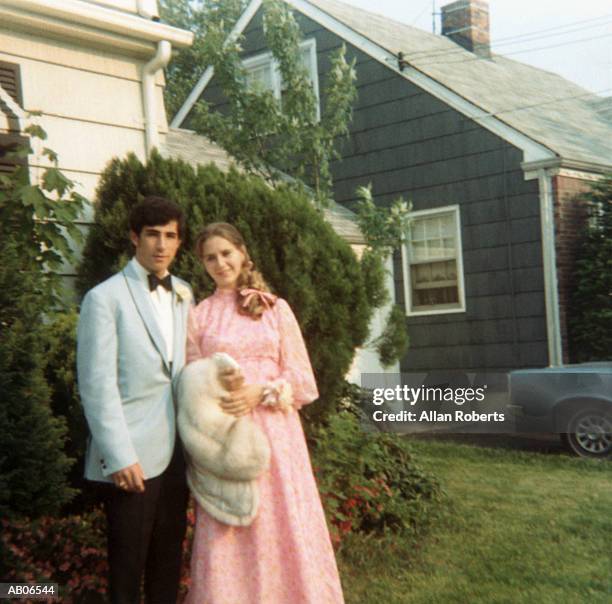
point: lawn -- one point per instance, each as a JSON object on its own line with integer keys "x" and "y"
{"x": 515, "y": 527}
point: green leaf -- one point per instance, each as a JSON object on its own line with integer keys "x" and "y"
{"x": 54, "y": 180}
{"x": 31, "y": 195}
{"x": 52, "y": 155}
{"x": 36, "y": 131}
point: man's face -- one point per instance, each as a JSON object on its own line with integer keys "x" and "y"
{"x": 156, "y": 246}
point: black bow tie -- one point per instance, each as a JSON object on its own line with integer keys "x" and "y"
{"x": 166, "y": 282}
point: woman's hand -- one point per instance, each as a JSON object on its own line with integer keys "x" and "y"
{"x": 242, "y": 400}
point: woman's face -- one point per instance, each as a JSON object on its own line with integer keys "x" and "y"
{"x": 223, "y": 261}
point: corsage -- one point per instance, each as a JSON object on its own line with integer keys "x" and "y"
{"x": 278, "y": 395}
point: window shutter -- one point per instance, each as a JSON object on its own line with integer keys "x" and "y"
{"x": 8, "y": 143}
{"x": 10, "y": 81}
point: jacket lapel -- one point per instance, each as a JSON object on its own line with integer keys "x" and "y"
{"x": 179, "y": 313}
{"x": 144, "y": 306}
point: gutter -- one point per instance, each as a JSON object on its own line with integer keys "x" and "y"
{"x": 531, "y": 169}
{"x": 149, "y": 72}
{"x": 549, "y": 257}
{"x": 79, "y": 12}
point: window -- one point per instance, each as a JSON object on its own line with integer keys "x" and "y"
{"x": 263, "y": 72}
{"x": 433, "y": 265}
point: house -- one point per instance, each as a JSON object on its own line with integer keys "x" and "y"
{"x": 492, "y": 153}
{"x": 95, "y": 72}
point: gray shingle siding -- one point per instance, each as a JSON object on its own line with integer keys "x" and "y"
{"x": 405, "y": 142}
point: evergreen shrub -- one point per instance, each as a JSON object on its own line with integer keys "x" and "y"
{"x": 33, "y": 222}
{"x": 33, "y": 466}
{"x": 59, "y": 349}
{"x": 590, "y": 316}
{"x": 299, "y": 254}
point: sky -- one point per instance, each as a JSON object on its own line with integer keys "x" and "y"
{"x": 577, "y": 43}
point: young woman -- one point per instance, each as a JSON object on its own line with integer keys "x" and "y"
{"x": 285, "y": 556}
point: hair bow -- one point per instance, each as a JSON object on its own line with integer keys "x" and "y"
{"x": 266, "y": 298}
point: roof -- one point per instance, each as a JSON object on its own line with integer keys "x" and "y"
{"x": 196, "y": 149}
{"x": 571, "y": 121}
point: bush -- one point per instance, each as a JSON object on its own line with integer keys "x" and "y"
{"x": 33, "y": 466}
{"x": 68, "y": 551}
{"x": 35, "y": 223}
{"x": 299, "y": 254}
{"x": 369, "y": 482}
{"x": 59, "y": 344}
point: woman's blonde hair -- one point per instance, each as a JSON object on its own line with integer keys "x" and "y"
{"x": 249, "y": 278}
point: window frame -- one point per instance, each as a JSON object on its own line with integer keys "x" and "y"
{"x": 451, "y": 209}
{"x": 266, "y": 57}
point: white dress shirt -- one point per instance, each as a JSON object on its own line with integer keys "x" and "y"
{"x": 161, "y": 299}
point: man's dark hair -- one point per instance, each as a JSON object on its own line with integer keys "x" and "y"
{"x": 156, "y": 211}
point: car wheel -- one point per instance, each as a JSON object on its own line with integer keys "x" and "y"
{"x": 589, "y": 432}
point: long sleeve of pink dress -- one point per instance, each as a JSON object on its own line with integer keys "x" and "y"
{"x": 285, "y": 556}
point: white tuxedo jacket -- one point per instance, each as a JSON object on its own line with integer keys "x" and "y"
{"x": 125, "y": 379}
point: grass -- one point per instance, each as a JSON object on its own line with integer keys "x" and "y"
{"x": 514, "y": 528}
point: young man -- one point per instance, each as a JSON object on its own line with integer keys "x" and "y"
{"x": 131, "y": 347}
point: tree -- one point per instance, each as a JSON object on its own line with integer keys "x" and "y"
{"x": 35, "y": 222}
{"x": 298, "y": 253}
{"x": 590, "y": 316}
{"x": 266, "y": 136}
{"x": 197, "y": 16}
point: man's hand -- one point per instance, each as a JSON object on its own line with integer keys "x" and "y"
{"x": 243, "y": 400}
{"x": 231, "y": 379}
{"x": 130, "y": 479}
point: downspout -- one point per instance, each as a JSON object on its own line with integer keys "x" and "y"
{"x": 549, "y": 256}
{"x": 149, "y": 71}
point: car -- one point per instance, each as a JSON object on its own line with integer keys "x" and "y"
{"x": 574, "y": 401}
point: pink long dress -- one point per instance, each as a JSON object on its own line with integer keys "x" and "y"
{"x": 285, "y": 556}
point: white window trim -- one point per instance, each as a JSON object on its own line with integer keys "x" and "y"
{"x": 263, "y": 59}
{"x": 460, "y": 277}
{"x": 266, "y": 57}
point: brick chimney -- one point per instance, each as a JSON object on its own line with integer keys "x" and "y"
{"x": 466, "y": 22}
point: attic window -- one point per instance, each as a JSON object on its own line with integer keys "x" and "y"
{"x": 263, "y": 72}
{"x": 10, "y": 81}
{"x": 433, "y": 264}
